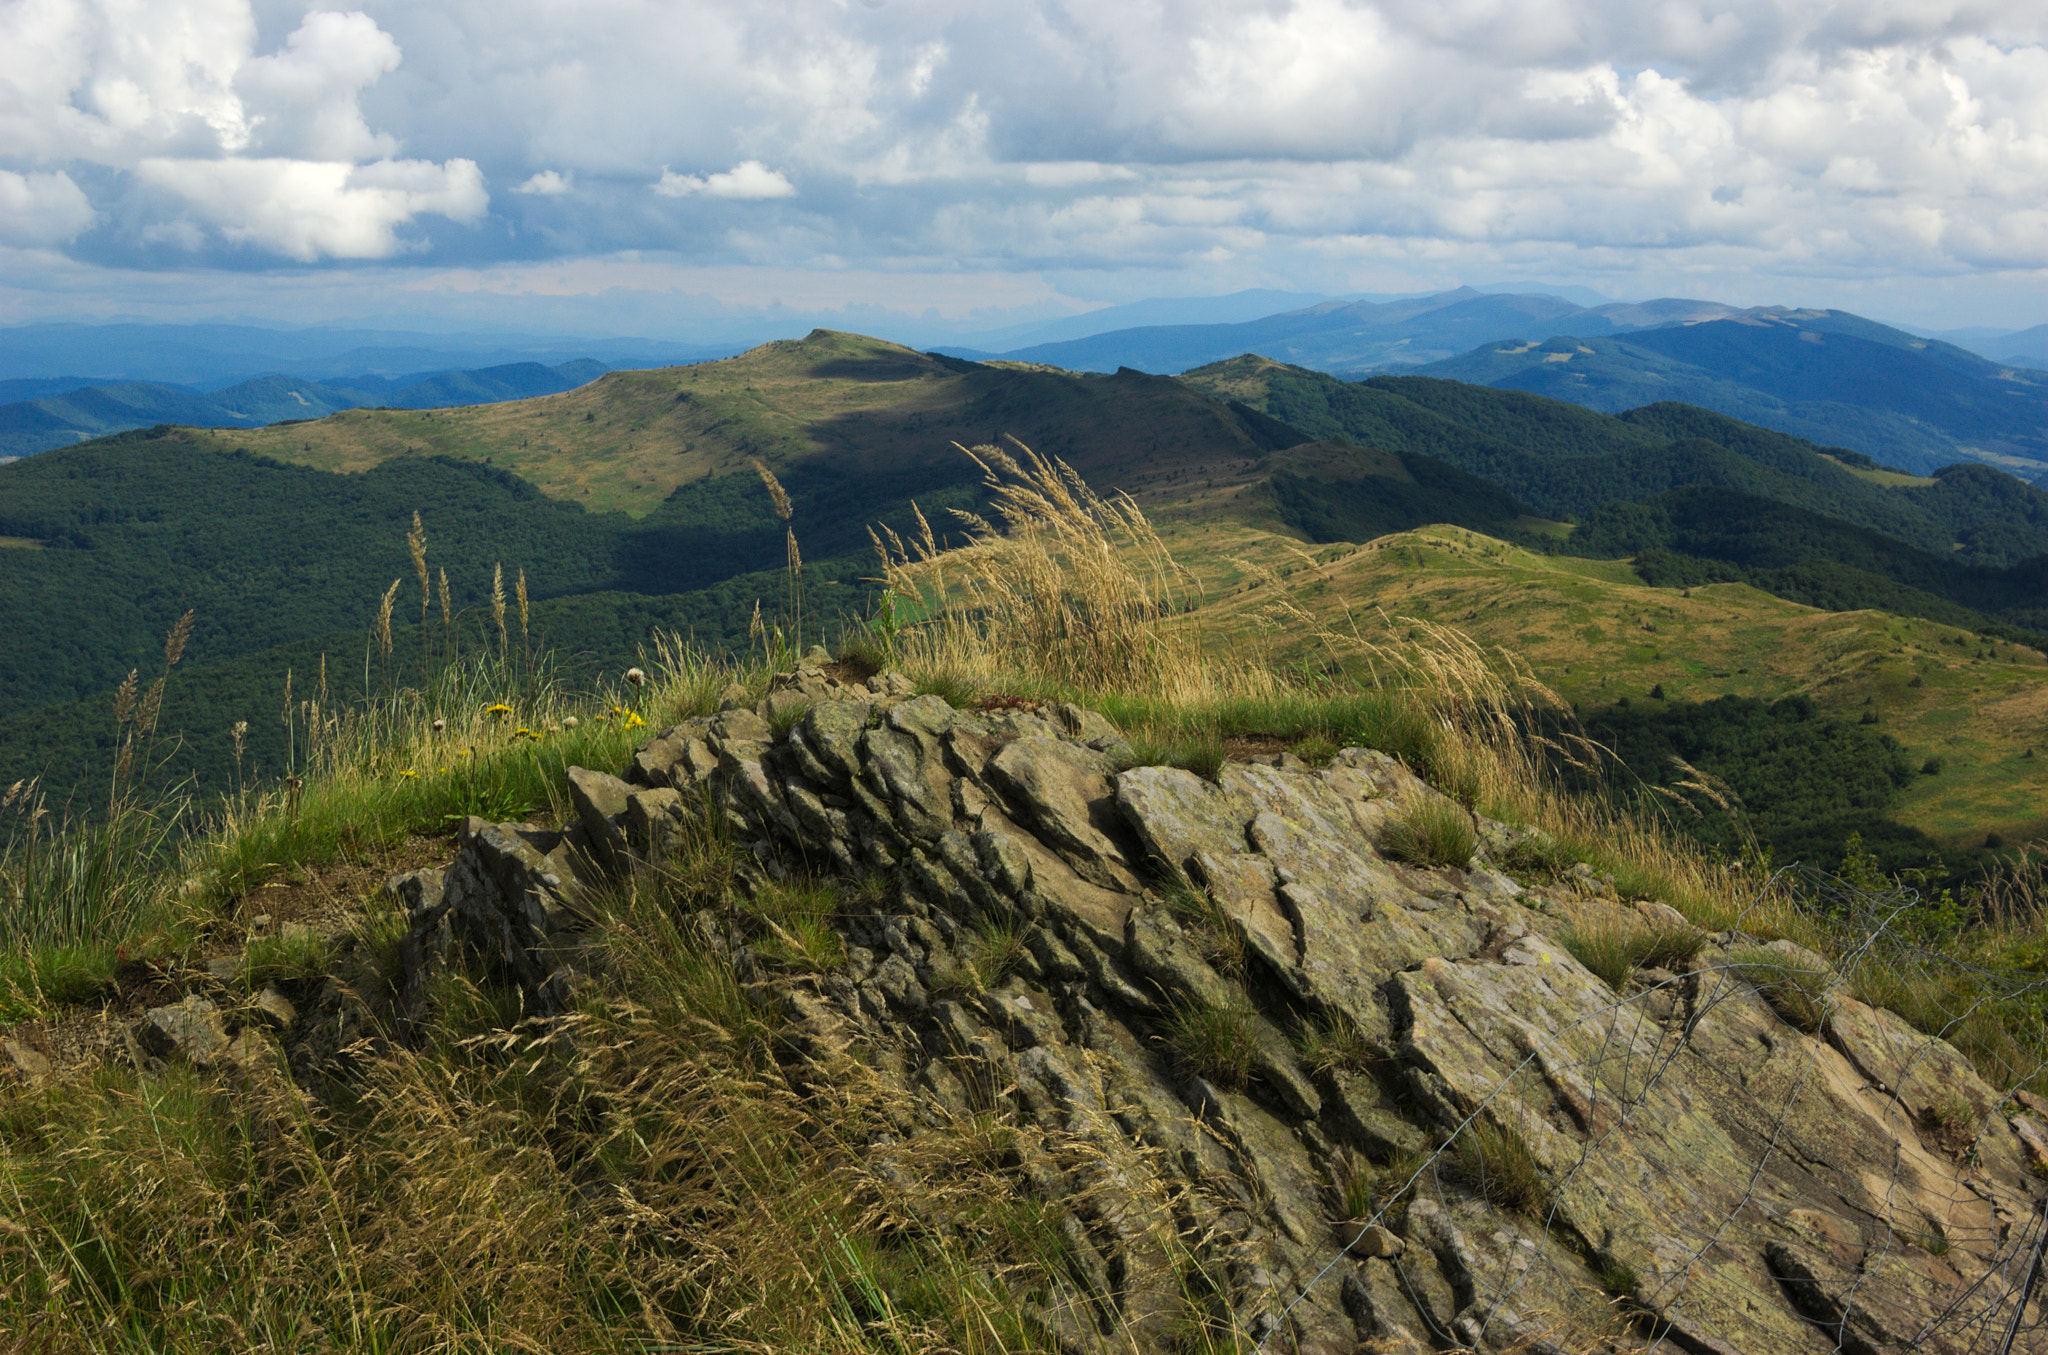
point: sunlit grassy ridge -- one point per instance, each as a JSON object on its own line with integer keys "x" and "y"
{"x": 1594, "y": 632}
{"x": 629, "y": 439}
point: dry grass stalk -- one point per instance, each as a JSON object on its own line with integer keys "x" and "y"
{"x": 416, "y": 547}
{"x": 776, "y": 494}
{"x": 447, "y": 608}
{"x": 1071, "y": 588}
{"x": 520, "y": 591}
{"x": 498, "y": 606}
{"x": 174, "y": 643}
{"x": 124, "y": 696}
{"x": 383, "y": 627}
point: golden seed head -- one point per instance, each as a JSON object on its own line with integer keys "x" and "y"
{"x": 124, "y": 699}
{"x": 174, "y": 643}
{"x": 384, "y": 617}
{"x": 776, "y": 494}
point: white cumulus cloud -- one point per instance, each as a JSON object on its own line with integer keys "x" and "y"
{"x": 270, "y": 151}
{"x": 749, "y": 179}
{"x": 547, "y": 184}
{"x": 312, "y": 209}
{"x": 41, "y": 209}
{"x": 1317, "y": 143}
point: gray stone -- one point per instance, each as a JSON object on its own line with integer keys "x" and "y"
{"x": 653, "y": 822}
{"x": 1160, "y": 951}
{"x": 1373, "y": 1240}
{"x": 1063, "y": 791}
{"x": 274, "y": 1007}
{"x": 512, "y": 904}
{"x": 190, "y": 1030}
{"x": 27, "y": 1064}
{"x": 600, "y": 803}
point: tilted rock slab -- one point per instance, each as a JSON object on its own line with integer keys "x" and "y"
{"x": 1756, "y": 1188}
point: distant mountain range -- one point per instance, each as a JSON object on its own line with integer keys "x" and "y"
{"x": 1832, "y": 377}
{"x": 2017, "y": 348}
{"x": 209, "y": 356}
{"x": 81, "y": 412}
{"x": 1910, "y": 401}
{"x": 1356, "y": 338}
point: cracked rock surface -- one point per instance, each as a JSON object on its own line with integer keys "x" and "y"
{"x": 1701, "y": 1168}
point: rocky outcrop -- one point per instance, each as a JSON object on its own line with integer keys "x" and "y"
{"x": 1552, "y": 1165}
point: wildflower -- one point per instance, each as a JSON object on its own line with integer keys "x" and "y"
{"x": 410, "y": 773}
{"x": 570, "y": 722}
{"x": 636, "y": 677}
{"x": 498, "y": 708}
{"x": 440, "y": 725}
{"x": 633, "y": 721}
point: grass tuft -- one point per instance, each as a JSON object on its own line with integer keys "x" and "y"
{"x": 1335, "y": 1041}
{"x": 1433, "y": 833}
{"x": 1214, "y": 1040}
{"x": 1616, "y": 948}
{"x": 1496, "y": 1160}
{"x": 1199, "y": 751}
{"x": 1799, "y": 993}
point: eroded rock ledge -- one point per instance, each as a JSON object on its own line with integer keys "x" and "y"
{"x": 1733, "y": 1183}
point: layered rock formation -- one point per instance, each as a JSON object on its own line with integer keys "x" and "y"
{"x": 1128, "y": 956}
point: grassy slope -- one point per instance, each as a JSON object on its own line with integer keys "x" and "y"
{"x": 1586, "y": 626}
{"x": 629, "y": 439}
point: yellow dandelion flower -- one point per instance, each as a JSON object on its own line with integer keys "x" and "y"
{"x": 409, "y": 772}
{"x": 497, "y": 708}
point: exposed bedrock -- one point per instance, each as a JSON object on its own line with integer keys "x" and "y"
{"x": 1694, "y": 1166}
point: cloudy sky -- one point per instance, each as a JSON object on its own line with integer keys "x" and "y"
{"x": 630, "y": 166}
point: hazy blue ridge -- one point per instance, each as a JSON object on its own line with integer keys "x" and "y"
{"x": 38, "y": 425}
{"x": 1915, "y": 404}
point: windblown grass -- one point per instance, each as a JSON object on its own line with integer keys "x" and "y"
{"x": 639, "y": 1174}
